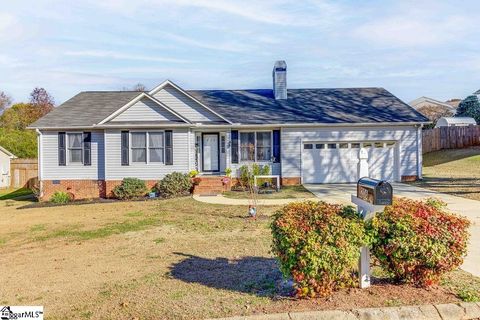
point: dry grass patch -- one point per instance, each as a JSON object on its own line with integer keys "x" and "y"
{"x": 286, "y": 192}
{"x": 455, "y": 172}
{"x": 169, "y": 259}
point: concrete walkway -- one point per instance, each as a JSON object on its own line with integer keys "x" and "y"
{"x": 220, "y": 199}
{"x": 340, "y": 193}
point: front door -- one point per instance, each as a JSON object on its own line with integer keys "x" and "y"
{"x": 211, "y": 155}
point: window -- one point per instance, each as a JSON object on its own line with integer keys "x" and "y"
{"x": 332, "y": 146}
{"x": 247, "y": 146}
{"x": 367, "y": 144}
{"x": 264, "y": 146}
{"x": 378, "y": 144}
{"x": 343, "y": 145}
{"x": 155, "y": 146}
{"x": 139, "y": 146}
{"x": 390, "y": 144}
{"x": 307, "y": 146}
{"x": 355, "y": 145}
{"x": 319, "y": 146}
{"x": 75, "y": 149}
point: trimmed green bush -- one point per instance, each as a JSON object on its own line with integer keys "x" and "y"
{"x": 417, "y": 242}
{"x": 175, "y": 184}
{"x": 60, "y": 197}
{"x": 130, "y": 188}
{"x": 317, "y": 245}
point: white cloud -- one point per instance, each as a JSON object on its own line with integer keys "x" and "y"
{"x": 121, "y": 56}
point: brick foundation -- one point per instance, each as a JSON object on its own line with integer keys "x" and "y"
{"x": 84, "y": 189}
{"x": 409, "y": 178}
{"x": 290, "y": 181}
{"x": 79, "y": 189}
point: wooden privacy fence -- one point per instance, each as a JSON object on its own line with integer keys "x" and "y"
{"x": 450, "y": 138}
{"x": 24, "y": 173}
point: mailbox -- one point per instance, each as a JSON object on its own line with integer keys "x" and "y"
{"x": 376, "y": 192}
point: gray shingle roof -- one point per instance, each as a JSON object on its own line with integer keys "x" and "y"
{"x": 348, "y": 105}
{"x": 332, "y": 106}
{"x": 86, "y": 109}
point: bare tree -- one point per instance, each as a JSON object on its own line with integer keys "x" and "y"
{"x": 42, "y": 100}
{"x": 5, "y": 101}
{"x": 139, "y": 87}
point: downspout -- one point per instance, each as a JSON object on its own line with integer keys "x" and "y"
{"x": 39, "y": 162}
{"x": 419, "y": 151}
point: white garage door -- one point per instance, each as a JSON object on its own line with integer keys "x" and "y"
{"x": 336, "y": 162}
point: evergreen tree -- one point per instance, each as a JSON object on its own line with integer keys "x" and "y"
{"x": 469, "y": 107}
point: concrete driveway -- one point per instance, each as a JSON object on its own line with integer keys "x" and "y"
{"x": 340, "y": 193}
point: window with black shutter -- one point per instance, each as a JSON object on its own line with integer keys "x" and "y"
{"x": 276, "y": 145}
{"x": 234, "y": 136}
{"x": 87, "y": 148}
{"x": 168, "y": 147}
{"x": 125, "y": 148}
{"x": 62, "y": 150}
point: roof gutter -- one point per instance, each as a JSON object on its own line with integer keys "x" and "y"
{"x": 238, "y": 125}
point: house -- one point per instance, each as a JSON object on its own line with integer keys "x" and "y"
{"x": 434, "y": 109}
{"x": 455, "y": 122}
{"x": 5, "y": 174}
{"x": 91, "y": 142}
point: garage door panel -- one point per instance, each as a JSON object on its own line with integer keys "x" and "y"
{"x": 339, "y": 165}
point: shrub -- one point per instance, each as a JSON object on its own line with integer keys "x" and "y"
{"x": 247, "y": 173}
{"x": 60, "y": 197}
{"x": 193, "y": 173}
{"x": 174, "y": 184}
{"x": 130, "y": 188}
{"x": 317, "y": 244}
{"x": 418, "y": 242}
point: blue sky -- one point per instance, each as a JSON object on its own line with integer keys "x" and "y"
{"x": 412, "y": 48}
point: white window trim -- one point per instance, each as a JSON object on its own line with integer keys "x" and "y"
{"x": 147, "y": 146}
{"x": 255, "y": 135}
{"x": 67, "y": 145}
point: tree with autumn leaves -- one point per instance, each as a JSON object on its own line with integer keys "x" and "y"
{"x": 14, "y": 119}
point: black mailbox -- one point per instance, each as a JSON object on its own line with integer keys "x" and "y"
{"x": 376, "y": 192}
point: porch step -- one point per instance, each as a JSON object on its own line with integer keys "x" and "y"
{"x": 210, "y": 185}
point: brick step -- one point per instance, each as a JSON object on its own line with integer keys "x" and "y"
{"x": 208, "y": 190}
{"x": 211, "y": 184}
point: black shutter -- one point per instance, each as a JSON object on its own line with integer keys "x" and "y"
{"x": 62, "y": 150}
{"x": 168, "y": 147}
{"x": 87, "y": 148}
{"x": 276, "y": 145}
{"x": 125, "y": 148}
{"x": 234, "y": 137}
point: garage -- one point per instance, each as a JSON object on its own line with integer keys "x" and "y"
{"x": 337, "y": 162}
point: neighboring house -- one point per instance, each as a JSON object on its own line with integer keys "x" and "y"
{"x": 455, "y": 122}
{"x": 434, "y": 109}
{"x": 94, "y": 140}
{"x": 5, "y": 174}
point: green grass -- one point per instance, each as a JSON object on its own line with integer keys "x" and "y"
{"x": 10, "y": 194}
{"x": 286, "y": 192}
{"x": 452, "y": 171}
{"x": 37, "y": 227}
{"x": 463, "y": 284}
{"x": 111, "y": 229}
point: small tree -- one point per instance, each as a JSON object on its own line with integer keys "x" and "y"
{"x": 42, "y": 101}
{"x": 469, "y": 107}
{"x": 5, "y": 101}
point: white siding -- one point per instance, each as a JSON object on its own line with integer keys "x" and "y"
{"x": 145, "y": 110}
{"x": 150, "y": 171}
{"x": 4, "y": 170}
{"x": 292, "y": 139}
{"x": 52, "y": 171}
{"x": 185, "y": 106}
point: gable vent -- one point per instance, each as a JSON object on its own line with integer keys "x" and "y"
{"x": 279, "y": 75}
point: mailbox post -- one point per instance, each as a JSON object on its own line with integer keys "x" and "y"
{"x": 372, "y": 196}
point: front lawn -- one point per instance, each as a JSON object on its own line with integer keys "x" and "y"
{"x": 286, "y": 192}
{"x": 455, "y": 172}
{"x": 166, "y": 259}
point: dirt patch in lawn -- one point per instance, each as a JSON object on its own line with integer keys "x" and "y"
{"x": 455, "y": 172}
{"x": 168, "y": 259}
